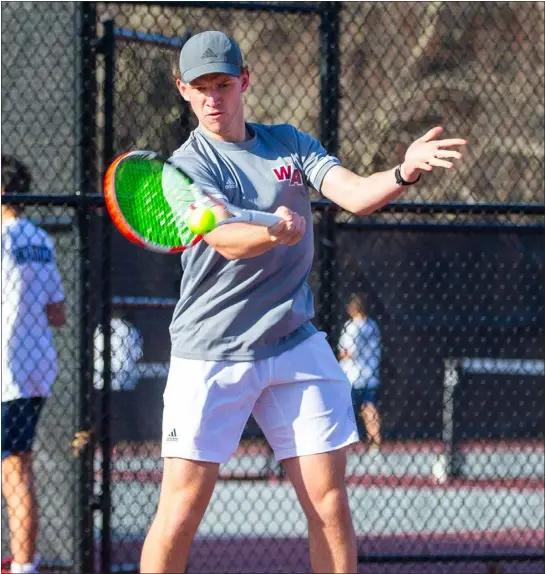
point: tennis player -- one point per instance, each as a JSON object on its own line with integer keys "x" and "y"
{"x": 32, "y": 302}
{"x": 242, "y": 337}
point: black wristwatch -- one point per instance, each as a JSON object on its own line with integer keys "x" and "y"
{"x": 401, "y": 181}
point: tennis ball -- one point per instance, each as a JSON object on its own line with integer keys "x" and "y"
{"x": 201, "y": 220}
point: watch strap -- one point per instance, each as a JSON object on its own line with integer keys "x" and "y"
{"x": 401, "y": 181}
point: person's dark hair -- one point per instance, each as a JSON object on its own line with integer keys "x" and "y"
{"x": 15, "y": 175}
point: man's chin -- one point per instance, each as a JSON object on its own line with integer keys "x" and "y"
{"x": 215, "y": 127}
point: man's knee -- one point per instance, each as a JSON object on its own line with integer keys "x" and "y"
{"x": 179, "y": 516}
{"x": 182, "y": 517}
{"x": 185, "y": 494}
{"x": 331, "y": 509}
{"x": 17, "y": 471}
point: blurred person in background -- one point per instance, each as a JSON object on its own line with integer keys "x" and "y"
{"x": 32, "y": 302}
{"x": 242, "y": 336}
{"x": 127, "y": 349}
{"x": 359, "y": 354}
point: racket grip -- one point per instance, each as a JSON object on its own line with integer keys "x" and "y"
{"x": 260, "y": 218}
{"x": 263, "y": 219}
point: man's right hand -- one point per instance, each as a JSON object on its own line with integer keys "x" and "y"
{"x": 242, "y": 240}
{"x": 290, "y": 230}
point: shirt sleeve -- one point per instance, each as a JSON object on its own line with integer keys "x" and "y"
{"x": 49, "y": 277}
{"x": 315, "y": 159}
{"x": 198, "y": 168}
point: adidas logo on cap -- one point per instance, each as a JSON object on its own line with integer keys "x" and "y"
{"x": 209, "y": 54}
{"x": 172, "y": 436}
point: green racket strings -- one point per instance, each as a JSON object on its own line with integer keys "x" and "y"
{"x": 154, "y": 198}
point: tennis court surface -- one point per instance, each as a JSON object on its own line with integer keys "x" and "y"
{"x": 254, "y": 523}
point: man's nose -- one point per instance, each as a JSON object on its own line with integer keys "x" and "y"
{"x": 212, "y": 96}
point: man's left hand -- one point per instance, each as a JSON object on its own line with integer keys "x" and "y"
{"x": 428, "y": 152}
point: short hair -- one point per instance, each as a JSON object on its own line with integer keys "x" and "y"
{"x": 358, "y": 301}
{"x": 175, "y": 65}
{"x": 15, "y": 175}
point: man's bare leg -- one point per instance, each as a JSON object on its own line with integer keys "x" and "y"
{"x": 186, "y": 490}
{"x": 319, "y": 481}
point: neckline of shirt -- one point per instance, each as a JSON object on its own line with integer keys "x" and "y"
{"x": 232, "y": 146}
{"x": 12, "y": 221}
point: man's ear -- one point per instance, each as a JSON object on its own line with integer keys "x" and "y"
{"x": 244, "y": 80}
{"x": 182, "y": 89}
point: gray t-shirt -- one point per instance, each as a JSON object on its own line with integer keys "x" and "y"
{"x": 254, "y": 308}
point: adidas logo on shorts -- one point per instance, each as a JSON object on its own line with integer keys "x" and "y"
{"x": 172, "y": 436}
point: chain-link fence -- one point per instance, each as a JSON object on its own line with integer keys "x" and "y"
{"x": 39, "y": 114}
{"x": 434, "y": 305}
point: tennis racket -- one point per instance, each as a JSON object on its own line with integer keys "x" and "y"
{"x": 149, "y": 198}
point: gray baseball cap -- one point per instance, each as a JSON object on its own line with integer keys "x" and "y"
{"x": 209, "y": 53}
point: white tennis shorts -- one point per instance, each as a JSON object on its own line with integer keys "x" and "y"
{"x": 301, "y": 399}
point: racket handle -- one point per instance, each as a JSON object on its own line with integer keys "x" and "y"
{"x": 263, "y": 219}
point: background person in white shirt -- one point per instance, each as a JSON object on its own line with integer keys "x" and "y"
{"x": 32, "y": 301}
{"x": 360, "y": 354}
{"x": 126, "y": 351}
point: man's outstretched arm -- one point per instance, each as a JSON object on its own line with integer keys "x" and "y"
{"x": 364, "y": 195}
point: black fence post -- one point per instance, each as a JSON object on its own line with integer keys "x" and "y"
{"x": 84, "y": 560}
{"x": 108, "y": 49}
{"x": 329, "y": 136}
